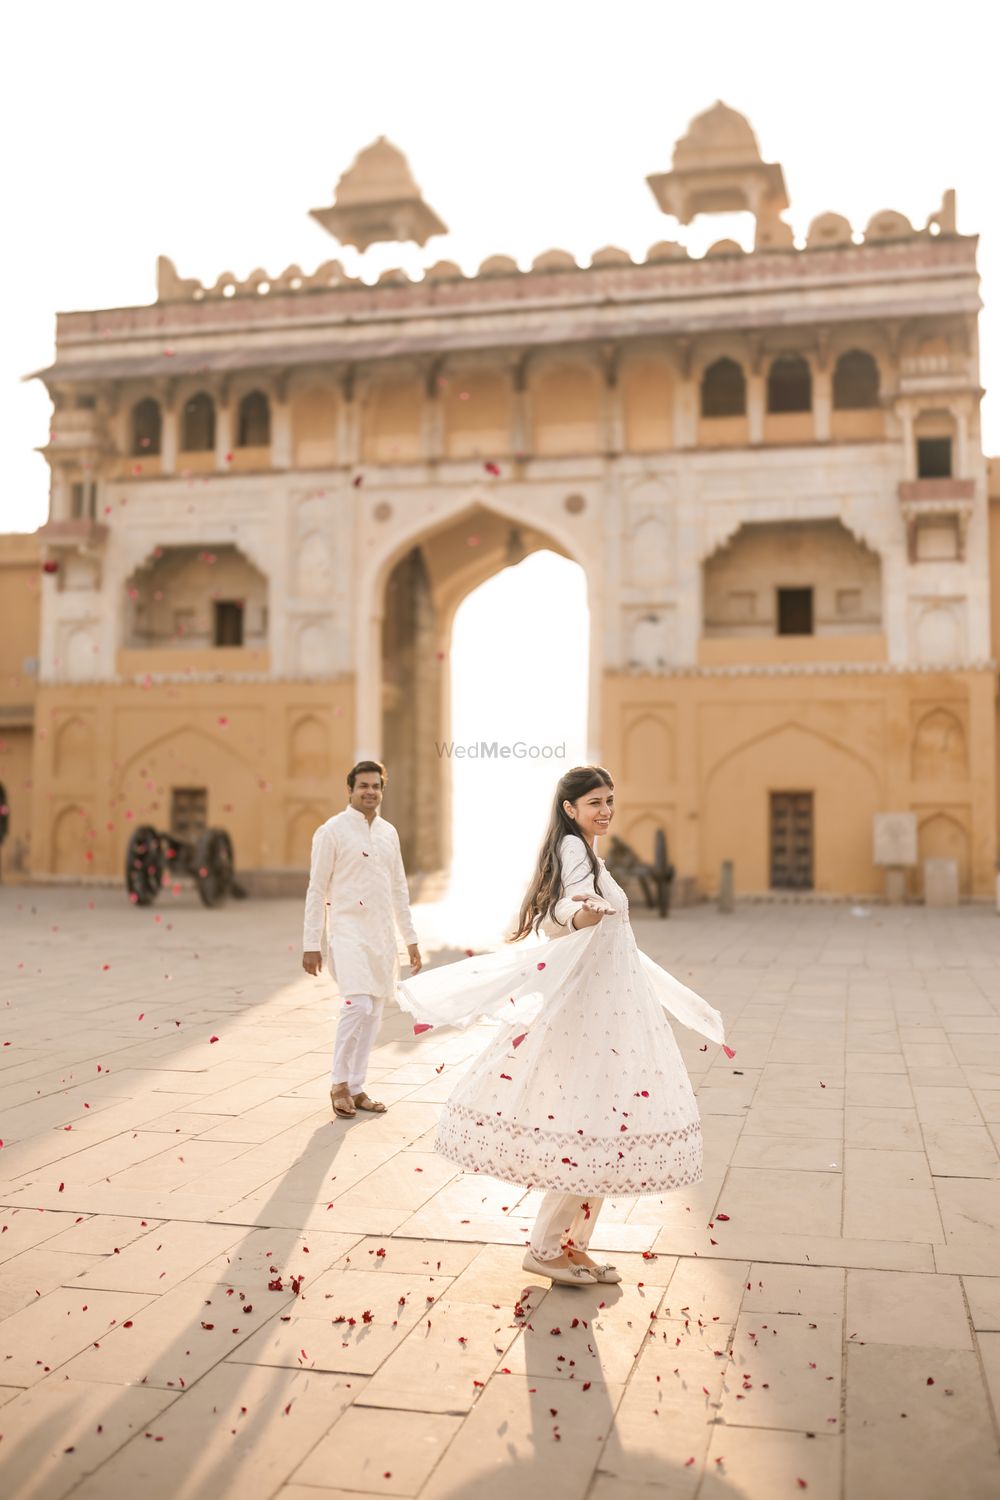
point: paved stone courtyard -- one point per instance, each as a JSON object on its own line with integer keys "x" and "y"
{"x": 209, "y": 1289}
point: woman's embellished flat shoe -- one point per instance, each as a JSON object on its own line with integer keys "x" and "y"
{"x": 606, "y": 1273}
{"x": 561, "y": 1275}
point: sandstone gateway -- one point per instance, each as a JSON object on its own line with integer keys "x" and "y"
{"x": 269, "y": 497}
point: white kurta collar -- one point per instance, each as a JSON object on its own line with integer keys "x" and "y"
{"x": 357, "y": 814}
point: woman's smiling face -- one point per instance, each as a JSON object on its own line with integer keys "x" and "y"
{"x": 593, "y": 812}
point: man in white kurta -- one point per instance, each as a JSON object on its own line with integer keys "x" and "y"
{"x": 357, "y": 889}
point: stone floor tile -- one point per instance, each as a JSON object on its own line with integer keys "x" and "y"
{"x": 805, "y": 1155}
{"x": 159, "y": 1261}
{"x": 776, "y": 1200}
{"x": 44, "y": 1335}
{"x": 263, "y": 1255}
{"x": 711, "y": 1290}
{"x": 756, "y": 1464}
{"x": 666, "y": 1414}
{"x": 240, "y": 1431}
{"x": 57, "y": 1434}
{"x": 806, "y": 1290}
{"x": 31, "y": 1275}
{"x": 875, "y": 1062}
{"x": 983, "y": 1294}
{"x": 509, "y": 1444}
{"x": 772, "y": 1119}
{"x": 897, "y": 1307}
{"x": 433, "y": 1370}
{"x": 21, "y": 1228}
{"x": 906, "y": 1437}
{"x": 946, "y": 1106}
{"x": 866, "y": 1167}
{"x": 874, "y": 1212}
{"x": 989, "y": 1353}
{"x": 961, "y": 1151}
{"x": 102, "y": 1234}
{"x": 787, "y": 1370}
{"x": 568, "y": 1335}
{"x": 884, "y": 1127}
{"x": 428, "y": 1257}
{"x": 373, "y": 1450}
{"x": 176, "y": 1337}
{"x": 316, "y": 1332}
{"x": 879, "y": 1090}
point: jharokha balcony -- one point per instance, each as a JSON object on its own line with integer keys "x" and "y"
{"x": 937, "y": 514}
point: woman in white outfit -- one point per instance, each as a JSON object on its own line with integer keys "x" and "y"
{"x": 583, "y": 1092}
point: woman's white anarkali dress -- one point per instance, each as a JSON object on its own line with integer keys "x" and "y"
{"x": 583, "y": 1090}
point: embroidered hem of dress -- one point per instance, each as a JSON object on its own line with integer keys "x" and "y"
{"x": 493, "y": 1163}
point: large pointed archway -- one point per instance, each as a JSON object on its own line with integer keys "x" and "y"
{"x": 422, "y": 586}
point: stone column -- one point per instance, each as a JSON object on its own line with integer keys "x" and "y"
{"x": 223, "y": 428}
{"x": 59, "y": 494}
{"x": 686, "y": 397}
{"x": 756, "y": 400}
{"x": 822, "y": 402}
{"x": 961, "y": 466}
{"x": 520, "y": 413}
{"x": 281, "y": 426}
{"x": 905, "y": 416}
{"x": 169, "y": 434}
{"x": 612, "y": 410}
{"x": 432, "y": 421}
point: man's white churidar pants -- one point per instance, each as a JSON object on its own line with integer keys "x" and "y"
{"x": 356, "y": 1032}
{"x": 563, "y": 1222}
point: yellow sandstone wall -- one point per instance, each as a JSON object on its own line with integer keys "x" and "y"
{"x": 271, "y": 756}
{"x": 699, "y": 757}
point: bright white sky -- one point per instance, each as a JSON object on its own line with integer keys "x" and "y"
{"x": 206, "y": 131}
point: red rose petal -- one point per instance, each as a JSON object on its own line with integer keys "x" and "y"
{"x": 422, "y": 1026}
{"x": 728, "y": 1050}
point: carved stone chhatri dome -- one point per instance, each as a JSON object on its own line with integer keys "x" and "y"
{"x": 717, "y": 168}
{"x": 377, "y": 200}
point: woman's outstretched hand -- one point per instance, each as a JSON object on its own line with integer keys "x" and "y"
{"x": 591, "y": 911}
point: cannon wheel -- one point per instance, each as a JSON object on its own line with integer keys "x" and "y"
{"x": 213, "y": 866}
{"x": 144, "y": 865}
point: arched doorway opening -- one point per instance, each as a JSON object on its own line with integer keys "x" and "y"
{"x": 485, "y": 641}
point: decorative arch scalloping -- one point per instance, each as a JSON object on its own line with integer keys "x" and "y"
{"x": 299, "y": 829}
{"x": 175, "y": 733}
{"x": 73, "y": 751}
{"x": 142, "y": 554}
{"x": 718, "y": 529}
{"x": 767, "y": 734}
{"x": 665, "y": 728}
{"x": 309, "y": 748}
{"x": 378, "y": 567}
{"x": 956, "y": 760}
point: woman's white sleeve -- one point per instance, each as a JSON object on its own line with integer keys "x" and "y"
{"x": 578, "y": 880}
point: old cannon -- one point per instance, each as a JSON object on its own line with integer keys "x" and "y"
{"x": 153, "y": 858}
{"x": 655, "y": 876}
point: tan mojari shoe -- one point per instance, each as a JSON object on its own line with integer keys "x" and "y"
{"x": 343, "y": 1104}
{"x": 564, "y": 1275}
{"x": 373, "y": 1105}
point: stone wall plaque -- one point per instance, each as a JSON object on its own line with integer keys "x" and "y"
{"x": 940, "y": 882}
{"x": 895, "y": 838}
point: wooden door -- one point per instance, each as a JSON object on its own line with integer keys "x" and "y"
{"x": 792, "y": 841}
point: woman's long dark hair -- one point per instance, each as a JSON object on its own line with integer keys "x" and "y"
{"x": 546, "y": 886}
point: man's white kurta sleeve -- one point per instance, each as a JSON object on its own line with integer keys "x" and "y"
{"x": 578, "y": 880}
{"x": 320, "y": 875}
{"x": 401, "y": 895}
